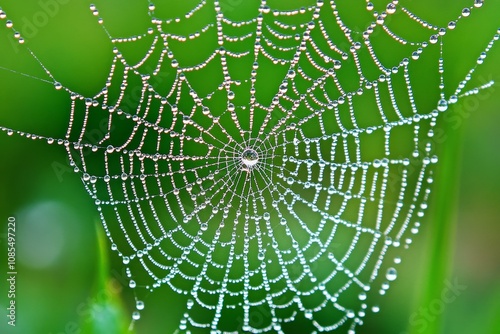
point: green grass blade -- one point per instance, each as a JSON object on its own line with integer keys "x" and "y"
{"x": 441, "y": 234}
{"x": 108, "y": 315}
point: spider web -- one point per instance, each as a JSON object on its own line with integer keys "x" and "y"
{"x": 284, "y": 187}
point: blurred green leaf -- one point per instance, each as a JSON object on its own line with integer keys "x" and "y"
{"x": 107, "y": 313}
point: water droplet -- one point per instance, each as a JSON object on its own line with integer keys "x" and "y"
{"x": 139, "y": 305}
{"x": 190, "y": 303}
{"x": 391, "y": 274}
{"x": 249, "y": 157}
{"x": 442, "y": 105}
{"x": 136, "y": 315}
{"x": 391, "y": 8}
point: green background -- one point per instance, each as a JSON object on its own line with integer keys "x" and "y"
{"x": 59, "y": 282}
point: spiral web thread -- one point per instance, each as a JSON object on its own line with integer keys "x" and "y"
{"x": 284, "y": 204}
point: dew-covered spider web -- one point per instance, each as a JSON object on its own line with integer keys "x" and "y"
{"x": 273, "y": 173}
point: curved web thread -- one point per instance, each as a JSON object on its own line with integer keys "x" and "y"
{"x": 285, "y": 203}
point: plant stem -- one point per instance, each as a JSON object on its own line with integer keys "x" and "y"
{"x": 441, "y": 235}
